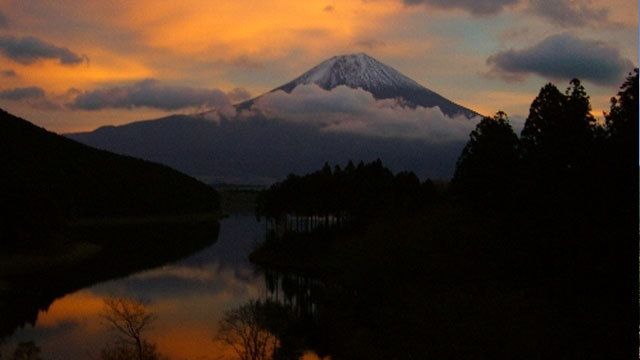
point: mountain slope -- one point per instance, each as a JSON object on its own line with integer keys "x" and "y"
{"x": 49, "y": 177}
{"x": 261, "y": 150}
{"x": 382, "y": 81}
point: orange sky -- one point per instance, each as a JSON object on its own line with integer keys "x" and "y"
{"x": 258, "y": 45}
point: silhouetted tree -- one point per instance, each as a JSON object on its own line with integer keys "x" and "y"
{"x": 559, "y": 127}
{"x": 244, "y": 330}
{"x": 560, "y": 152}
{"x": 129, "y": 319}
{"x": 543, "y": 115}
{"x": 488, "y": 163}
{"x": 622, "y": 119}
{"x": 621, "y": 141}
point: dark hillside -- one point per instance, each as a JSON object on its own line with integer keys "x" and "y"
{"x": 48, "y": 179}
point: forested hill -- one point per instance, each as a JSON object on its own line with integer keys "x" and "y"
{"x": 47, "y": 178}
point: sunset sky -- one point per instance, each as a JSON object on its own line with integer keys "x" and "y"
{"x": 75, "y": 65}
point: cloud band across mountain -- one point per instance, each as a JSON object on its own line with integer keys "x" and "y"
{"x": 356, "y": 111}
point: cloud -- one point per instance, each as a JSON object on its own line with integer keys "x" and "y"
{"x": 30, "y": 92}
{"x": 563, "y": 56}
{"x": 151, "y": 93}
{"x": 4, "y": 22}
{"x": 33, "y": 96}
{"x": 28, "y": 50}
{"x": 8, "y": 73}
{"x": 565, "y": 13}
{"x": 475, "y": 7}
{"x": 356, "y": 111}
{"x": 329, "y": 8}
{"x": 568, "y": 13}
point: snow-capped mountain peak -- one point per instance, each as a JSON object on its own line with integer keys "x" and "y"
{"x": 361, "y": 71}
{"x": 355, "y": 71}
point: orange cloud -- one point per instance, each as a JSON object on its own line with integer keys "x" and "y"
{"x": 209, "y": 29}
{"x": 265, "y": 29}
{"x": 103, "y": 68}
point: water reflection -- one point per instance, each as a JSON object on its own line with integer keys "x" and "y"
{"x": 189, "y": 298}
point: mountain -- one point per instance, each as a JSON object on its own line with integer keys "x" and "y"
{"x": 382, "y": 81}
{"x": 261, "y": 149}
{"x": 48, "y": 178}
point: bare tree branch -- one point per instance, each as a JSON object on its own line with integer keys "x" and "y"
{"x": 242, "y": 329}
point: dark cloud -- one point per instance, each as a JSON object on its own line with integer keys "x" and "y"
{"x": 476, "y": 7}
{"x": 30, "y": 92}
{"x": 329, "y": 8}
{"x": 151, "y": 93}
{"x": 564, "y": 13}
{"x": 570, "y": 13}
{"x": 8, "y": 73}
{"x": 4, "y": 22}
{"x": 563, "y": 56}
{"x": 28, "y": 50}
{"x": 31, "y": 95}
{"x": 355, "y": 111}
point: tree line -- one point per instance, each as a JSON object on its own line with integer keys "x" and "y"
{"x": 562, "y": 163}
{"x": 565, "y": 167}
{"x": 336, "y": 196}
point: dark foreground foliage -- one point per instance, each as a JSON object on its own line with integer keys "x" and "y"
{"x": 531, "y": 254}
{"x": 338, "y": 196}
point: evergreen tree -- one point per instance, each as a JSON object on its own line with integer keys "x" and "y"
{"x": 487, "y": 165}
{"x": 559, "y": 128}
{"x": 622, "y": 119}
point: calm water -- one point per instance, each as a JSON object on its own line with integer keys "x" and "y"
{"x": 188, "y": 297}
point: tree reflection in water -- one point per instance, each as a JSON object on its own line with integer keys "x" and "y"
{"x": 128, "y": 319}
{"x": 245, "y": 330}
{"x": 285, "y": 324}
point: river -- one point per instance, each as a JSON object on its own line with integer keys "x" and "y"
{"x": 188, "y": 297}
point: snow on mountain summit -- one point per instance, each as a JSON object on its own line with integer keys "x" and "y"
{"x": 355, "y": 71}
